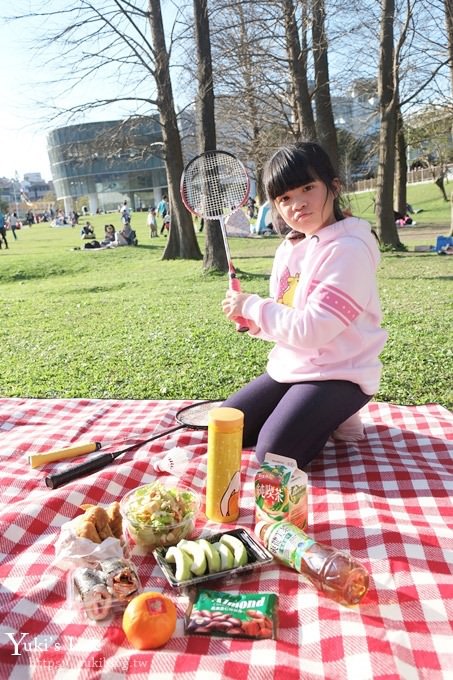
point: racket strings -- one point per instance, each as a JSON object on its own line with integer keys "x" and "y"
{"x": 197, "y": 415}
{"x": 215, "y": 183}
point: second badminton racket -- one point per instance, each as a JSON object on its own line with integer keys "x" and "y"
{"x": 213, "y": 185}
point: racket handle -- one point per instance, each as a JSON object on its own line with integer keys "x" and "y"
{"x": 241, "y": 324}
{"x": 76, "y": 471}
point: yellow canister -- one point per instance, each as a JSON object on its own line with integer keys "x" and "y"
{"x": 223, "y": 484}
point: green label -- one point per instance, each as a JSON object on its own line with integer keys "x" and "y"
{"x": 289, "y": 544}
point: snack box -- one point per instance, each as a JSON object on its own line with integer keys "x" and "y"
{"x": 258, "y": 556}
{"x": 102, "y": 590}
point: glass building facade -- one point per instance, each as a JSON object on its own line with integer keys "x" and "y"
{"x": 108, "y": 162}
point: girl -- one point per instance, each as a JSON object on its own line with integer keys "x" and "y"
{"x": 323, "y": 315}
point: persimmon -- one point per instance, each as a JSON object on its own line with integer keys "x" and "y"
{"x": 149, "y": 620}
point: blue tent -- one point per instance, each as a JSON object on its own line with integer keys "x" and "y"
{"x": 264, "y": 219}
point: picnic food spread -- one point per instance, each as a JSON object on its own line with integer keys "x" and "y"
{"x": 160, "y": 517}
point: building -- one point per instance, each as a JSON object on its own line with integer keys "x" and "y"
{"x": 28, "y": 194}
{"x": 107, "y": 163}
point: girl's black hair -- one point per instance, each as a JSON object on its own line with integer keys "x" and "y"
{"x": 295, "y": 165}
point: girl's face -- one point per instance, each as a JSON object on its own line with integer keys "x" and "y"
{"x": 307, "y": 208}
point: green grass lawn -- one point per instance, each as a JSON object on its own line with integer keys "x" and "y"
{"x": 125, "y": 324}
{"x": 425, "y": 197}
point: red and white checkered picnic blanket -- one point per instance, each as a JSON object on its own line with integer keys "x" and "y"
{"x": 386, "y": 499}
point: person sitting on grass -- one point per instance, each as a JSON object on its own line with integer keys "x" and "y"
{"x": 87, "y": 231}
{"x": 109, "y": 236}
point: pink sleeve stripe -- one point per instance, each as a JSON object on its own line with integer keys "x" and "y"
{"x": 337, "y": 302}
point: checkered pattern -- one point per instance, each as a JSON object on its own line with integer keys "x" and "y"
{"x": 387, "y": 499}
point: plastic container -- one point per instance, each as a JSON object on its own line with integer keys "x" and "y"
{"x": 223, "y": 484}
{"x": 334, "y": 572}
{"x": 257, "y": 557}
{"x": 102, "y": 590}
{"x": 159, "y": 514}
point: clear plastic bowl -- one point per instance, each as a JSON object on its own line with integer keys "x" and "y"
{"x": 159, "y": 514}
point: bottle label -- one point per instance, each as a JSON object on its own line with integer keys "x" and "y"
{"x": 289, "y": 544}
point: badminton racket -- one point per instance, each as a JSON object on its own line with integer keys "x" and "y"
{"x": 213, "y": 185}
{"x": 194, "y": 417}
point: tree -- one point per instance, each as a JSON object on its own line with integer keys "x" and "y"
{"x": 449, "y": 25}
{"x": 214, "y": 255}
{"x": 297, "y": 62}
{"x": 182, "y": 241}
{"x": 325, "y": 124}
{"x": 388, "y": 99}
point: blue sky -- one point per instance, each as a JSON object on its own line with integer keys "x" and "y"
{"x": 23, "y": 124}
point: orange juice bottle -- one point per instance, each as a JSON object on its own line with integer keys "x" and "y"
{"x": 223, "y": 484}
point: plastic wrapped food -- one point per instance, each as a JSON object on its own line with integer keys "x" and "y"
{"x": 94, "y": 593}
{"x": 121, "y": 578}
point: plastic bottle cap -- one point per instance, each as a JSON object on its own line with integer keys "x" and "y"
{"x": 260, "y": 528}
{"x": 226, "y": 419}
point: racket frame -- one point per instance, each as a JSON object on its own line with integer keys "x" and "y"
{"x": 241, "y": 325}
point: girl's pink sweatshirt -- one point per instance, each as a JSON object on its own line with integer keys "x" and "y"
{"x": 324, "y": 313}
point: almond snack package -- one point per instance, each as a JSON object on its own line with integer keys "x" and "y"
{"x": 248, "y": 615}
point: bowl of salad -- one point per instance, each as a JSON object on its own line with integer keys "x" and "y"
{"x": 160, "y": 513}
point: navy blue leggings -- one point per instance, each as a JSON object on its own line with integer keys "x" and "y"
{"x": 294, "y": 419}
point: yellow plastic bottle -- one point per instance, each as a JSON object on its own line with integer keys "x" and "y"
{"x": 223, "y": 484}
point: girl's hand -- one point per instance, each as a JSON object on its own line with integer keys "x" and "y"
{"x": 233, "y": 304}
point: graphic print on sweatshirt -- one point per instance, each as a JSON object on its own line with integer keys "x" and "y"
{"x": 286, "y": 287}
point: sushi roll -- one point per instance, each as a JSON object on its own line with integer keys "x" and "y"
{"x": 94, "y": 593}
{"x": 121, "y": 578}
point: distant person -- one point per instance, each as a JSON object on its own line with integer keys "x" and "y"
{"x": 162, "y": 209}
{"x": 413, "y": 211}
{"x": 3, "y": 231}
{"x": 109, "y": 236}
{"x": 125, "y": 213}
{"x": 152, "y": 223}
{"x": 12, "y": 221}
{"x": 166, "y": 225}
{"x": 87, "y": 231}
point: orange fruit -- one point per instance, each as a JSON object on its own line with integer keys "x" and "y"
{"x": 149, "y": 620}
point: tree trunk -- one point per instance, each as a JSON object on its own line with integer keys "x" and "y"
{"x": 250, "y": 98}
{"x": 298, "y": 75}
{"x": 214, "y": 255}
{"x": 182, "y": 241}
{"x": 450, "y": 233}
{"x": 401, "y": 167}
{"x": 386, "y": 226}
{"x": 449, "y": 23}
{"x": 325, "y": 124}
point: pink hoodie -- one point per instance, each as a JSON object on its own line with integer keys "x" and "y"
{"x": 324, "y": 313}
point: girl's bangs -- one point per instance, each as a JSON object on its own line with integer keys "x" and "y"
{"x": 285, "y": 171}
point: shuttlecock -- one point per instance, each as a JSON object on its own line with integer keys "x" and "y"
{"x": 175, "y": 460}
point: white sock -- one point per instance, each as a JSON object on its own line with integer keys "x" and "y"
{"x": 351, "y": 430}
